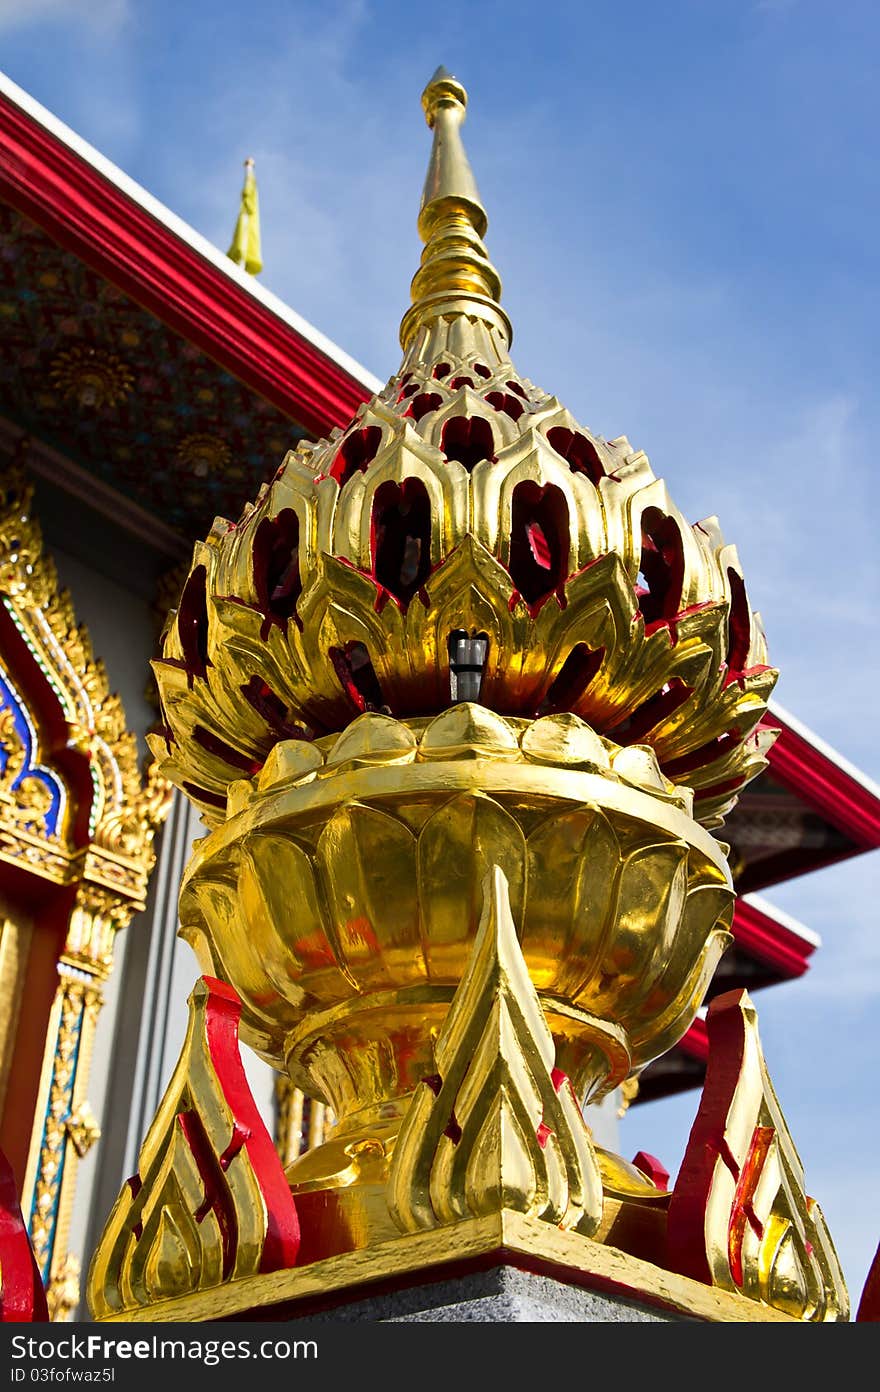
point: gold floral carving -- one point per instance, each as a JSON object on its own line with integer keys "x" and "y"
{"x": 497, "y": 1125}
{"x": 92, "y": 377}
{"x": 62, "y": 1295}
{"x": 107, "y": 871}
{"x": 16, "y": 935}
{"x": 51, "y": 1175}
{"x": 458, "y": 697}
{"x": 739, "y": 1216}
{"x": 24, "y": 801}
{"x": 209, "y": 1202}
{"x": 127, "y": 809}
{"x": 83, "y": 1129}
{"x": 12, "y": 746}
{"x": 468, "y": 589}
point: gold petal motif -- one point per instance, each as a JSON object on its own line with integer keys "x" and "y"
{"x": 497, "y": 1126}
{"x": 457, "y": 847}
{"x": 367, "y": 860}
{"x": 343, "y": 879}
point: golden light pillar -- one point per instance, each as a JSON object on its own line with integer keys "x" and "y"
{"x": 461, "y": 698}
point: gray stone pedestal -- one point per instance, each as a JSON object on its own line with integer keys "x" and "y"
{"x": 500, "y": 1295}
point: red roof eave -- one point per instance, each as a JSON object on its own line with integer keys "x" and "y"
{"x": 824, "y": 784}
{"x": 82, "y": 209}
{"x": 770, "y": 941}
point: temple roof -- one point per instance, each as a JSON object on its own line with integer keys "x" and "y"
{"x": 62, "y": 139}
{"x": 218, "y": 375}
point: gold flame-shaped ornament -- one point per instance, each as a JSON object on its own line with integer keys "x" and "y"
{"x": 209, "y": 1202}
{"x": 497, "y": 1127}
{"x": 739, "y": 1217}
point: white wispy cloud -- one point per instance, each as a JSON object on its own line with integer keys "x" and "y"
{"x": 333, "y": 199}
{"x": 103, "y": 17}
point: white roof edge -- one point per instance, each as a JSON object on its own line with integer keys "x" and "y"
{"x": 801, "y": 729}
{"x": 793, "y": 925}
{"x": 187, "y": 234}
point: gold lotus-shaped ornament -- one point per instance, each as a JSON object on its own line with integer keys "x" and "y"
{"x": 353, "y": 867}
{"x": 342, "y": 898}
{"x": 463, "y": 503}
{"x": 462, "y": 641}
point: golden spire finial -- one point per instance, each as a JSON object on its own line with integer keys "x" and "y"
{"x": 455, "y": 275}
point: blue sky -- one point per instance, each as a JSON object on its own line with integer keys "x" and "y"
{"x": 683, "y": 204}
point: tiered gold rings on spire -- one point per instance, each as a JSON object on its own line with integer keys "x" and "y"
{"x": 456, "y": 275}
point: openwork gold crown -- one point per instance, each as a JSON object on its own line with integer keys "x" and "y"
{"x": 464, "y": 538}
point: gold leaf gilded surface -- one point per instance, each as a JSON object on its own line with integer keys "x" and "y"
{"x": 348, "y": 890}
{"x": 209, "y": 1203}
{"x": 496, "y": 1126}
{"x": 128, "y": 806}
{"x": 75, "y": 810}
{"x": 463, "y": 502}
{"x": 91, "y": 377}
{"x": 63, "y": 1122}
{"x": 525, "y": 1242}
{"x": 83, "y": 1129}
{"x": 740, "y": 1217}
{"x": 467, "y": 641}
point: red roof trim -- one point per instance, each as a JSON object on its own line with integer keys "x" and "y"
{"x": 84, "y": 212}
{"x": 823, "y": 785}
{"x": 764, "y": 937}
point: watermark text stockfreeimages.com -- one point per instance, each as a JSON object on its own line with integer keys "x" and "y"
{"x": 37, "y": 1351}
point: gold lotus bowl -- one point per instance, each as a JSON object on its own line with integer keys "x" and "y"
{"x": 342, "y": 896}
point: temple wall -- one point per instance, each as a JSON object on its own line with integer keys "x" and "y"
{"x": 142, "y": 1024}
{"x": 121, "y": 627}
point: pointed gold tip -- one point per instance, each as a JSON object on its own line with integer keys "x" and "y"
{"x": 449, "y": 172}
{"x": 455, "y": 275}
{"x": 443, "y": 87}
